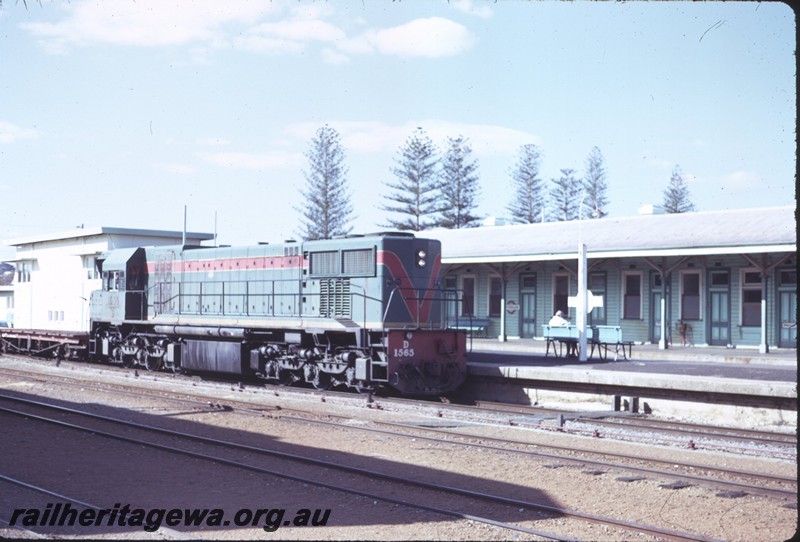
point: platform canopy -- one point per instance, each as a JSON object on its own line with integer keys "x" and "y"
{"x": 740, "y": 231}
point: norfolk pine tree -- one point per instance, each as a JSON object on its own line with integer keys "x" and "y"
{"x": 459, "y": 185}
{"x": 416, "y": 193}
{"x": 565, "y": 196}
{"x": 676, "y": 195}
{"x": 326, "y": 208}
{"x": 527, "y": 206}
{"x": 594, "y": 186}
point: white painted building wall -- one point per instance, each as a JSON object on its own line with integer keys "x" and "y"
{"x": 55, "y": 293}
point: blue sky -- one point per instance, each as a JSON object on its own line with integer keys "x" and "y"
{"x": 119, "y": 113}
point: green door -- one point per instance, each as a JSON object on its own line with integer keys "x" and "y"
{"x": 655, "y": 318}
{"x": 720, "y": 307}
{"x": 528, "y": 305}
{"x": 788, "y": 312}
{"x": 720, "y": 318}
{"x": 528, "y": 319}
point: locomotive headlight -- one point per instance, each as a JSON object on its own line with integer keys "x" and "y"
{"x": 421, "y": 258}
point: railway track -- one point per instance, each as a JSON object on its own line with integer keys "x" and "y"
{"x": 149, "y": 436}
{"x": 752, "y": 482}
{"x": 601, "y": 425}
{"x": 684, "y": 434}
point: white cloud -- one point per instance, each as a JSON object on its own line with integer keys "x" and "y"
{"x": 145, "y": 22}
{"x": 209, "y": 25}
{"x": 469, "y": 7}
{"x": 432, "y": 37}
{"x": 10, "y": 133}
{"x": 266, "y": 44}
{"x": 290, "y": 35}
{"x": 332, "y": 57}
{"x": 254, "y": 161}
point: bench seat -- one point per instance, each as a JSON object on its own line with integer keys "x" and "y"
{"x": 474, "y": 325}
{"x": 604, "y": 337}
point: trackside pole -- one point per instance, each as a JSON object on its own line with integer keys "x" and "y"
{"x": 583, "y": 302}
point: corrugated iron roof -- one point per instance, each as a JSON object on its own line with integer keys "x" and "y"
{"x": 713, "y": 232}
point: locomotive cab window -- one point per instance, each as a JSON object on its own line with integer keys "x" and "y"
{"x": 114, "y": 281}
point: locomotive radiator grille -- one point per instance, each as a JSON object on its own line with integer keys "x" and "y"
{"x": 334, "y": 297}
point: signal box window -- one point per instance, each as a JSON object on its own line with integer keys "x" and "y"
{"x": 24, "y": 271}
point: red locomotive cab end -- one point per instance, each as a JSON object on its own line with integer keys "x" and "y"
{"x": 426, "y": 362}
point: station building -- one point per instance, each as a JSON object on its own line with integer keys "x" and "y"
{"x": 726, "y": 278}
{"x": 56, "y": 273}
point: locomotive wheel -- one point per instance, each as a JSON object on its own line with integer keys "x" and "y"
{"x": 142, "y": 357}
{"x": 152, "y": 363}
{"x": 322, "y": 382}
{"x": 286, "y": 378}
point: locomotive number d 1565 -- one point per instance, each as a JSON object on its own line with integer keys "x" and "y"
{"x": 423, "y": 358}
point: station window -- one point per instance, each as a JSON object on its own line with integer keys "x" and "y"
{"x": 787, "y": 277}
{"x": 632, "y": 295}
{"x": 561, "y": 292}
{"x": 597, "y": 285}
{"x": 690, "y": 295}
{"x": 495, "y": 296}
{"x": 468, "y": 296}
{"x": 528, "y": 282}
{"x": 451, "y": 295}
{"x": 719, "y": 279}
{"x": 751, "y": 297}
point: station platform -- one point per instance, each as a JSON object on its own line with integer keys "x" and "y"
{"x": 536, "y": 349}
{"x": 696, "y": 374}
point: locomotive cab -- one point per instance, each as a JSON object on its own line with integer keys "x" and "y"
{"x": 124, "y": 295}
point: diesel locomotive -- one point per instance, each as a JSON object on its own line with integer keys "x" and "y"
{"x": 363, "y": 312}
